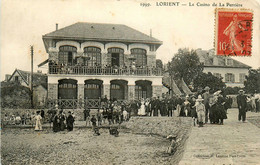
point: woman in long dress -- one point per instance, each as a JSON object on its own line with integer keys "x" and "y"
{"x": 56, "y": 122}
{"x": 38, "y": 125}
{"x": 141, "y": 110}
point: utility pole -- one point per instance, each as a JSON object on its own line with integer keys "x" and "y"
{"x": 31, "y": 76}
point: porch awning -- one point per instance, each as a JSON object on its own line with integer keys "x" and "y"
{"x": 43, "y": 63}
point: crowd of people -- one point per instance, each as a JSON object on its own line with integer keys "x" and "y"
{"x": 203, "y": 107}
{"x": 24, "y": 118}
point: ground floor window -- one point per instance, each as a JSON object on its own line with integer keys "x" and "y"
{"x": 67, "y": 89}
{"x": 92, "y": 89}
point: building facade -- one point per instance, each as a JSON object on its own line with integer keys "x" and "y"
{"x": 233, "y": 72}
{"x": 89, "y": 60}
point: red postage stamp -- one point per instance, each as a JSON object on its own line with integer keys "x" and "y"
{"x": 233, "y": 35}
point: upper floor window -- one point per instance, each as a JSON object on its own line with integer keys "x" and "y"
{"x": 230, "y": 77}
{"x": 94, "y": 55}
{"x": 152, "y": 48}
{"x": 218, "y": 75}
{"x": 115, "y": 50}
{"x": 140, "y": 56}
{"x": 16, "y": 78}
{"x": 115, "y": 56}
{"x": 242, "y": 77}
{"x": 67, "y": 54}
{"x": 229, "y": 62}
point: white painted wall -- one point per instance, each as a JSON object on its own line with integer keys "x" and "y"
{"x": 223, "y": 71}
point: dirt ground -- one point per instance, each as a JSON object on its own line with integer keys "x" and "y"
{"x": 254, "y": 120}
{"x": 25, "y": 146}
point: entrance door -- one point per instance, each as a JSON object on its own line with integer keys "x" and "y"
{"x": 92, "y": 89}
{"x": 118, "y": 89}
{"x": 67, "y": 89}
{"x": 115, "y": 59}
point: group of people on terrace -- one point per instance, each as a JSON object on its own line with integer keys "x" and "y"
{"x": 63, "y": 68}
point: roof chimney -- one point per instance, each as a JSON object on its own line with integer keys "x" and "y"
{"x": 57, "y": 26}
{"x": 151, "y": 33}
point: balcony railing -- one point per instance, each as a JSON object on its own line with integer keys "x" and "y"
{"x": 85, "y": 70}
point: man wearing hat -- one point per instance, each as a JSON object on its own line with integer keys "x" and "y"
{"x": 200, "y": 109}
{"x": 241, "y": 103}
{"x": 206, "y": 97}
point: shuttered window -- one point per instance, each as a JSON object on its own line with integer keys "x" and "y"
{"x": 230, "y": 77}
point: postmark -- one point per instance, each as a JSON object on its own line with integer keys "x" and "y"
{"x": 233, "y": 32}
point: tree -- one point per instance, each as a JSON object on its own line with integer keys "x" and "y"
{"x": 185, "y": 64}
{"x": 208, "y": 79}
{"x": 252, "y": 83}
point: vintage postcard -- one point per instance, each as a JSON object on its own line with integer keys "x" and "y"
{"x": 130, "y": 82}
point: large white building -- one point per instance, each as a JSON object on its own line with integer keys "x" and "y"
{"x": 91, "y": 60}
{"x": 232, "y": 71}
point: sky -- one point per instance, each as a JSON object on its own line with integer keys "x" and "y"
{"x": 23, "y": 22}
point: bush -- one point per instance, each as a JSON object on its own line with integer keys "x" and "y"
{"x": 15, "y": 96}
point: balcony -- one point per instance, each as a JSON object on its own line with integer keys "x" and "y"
{"x": 85, "y": 70}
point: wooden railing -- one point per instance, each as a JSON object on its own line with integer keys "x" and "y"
{"x": 84, "y": 70}
{"x": 74, "y": 103}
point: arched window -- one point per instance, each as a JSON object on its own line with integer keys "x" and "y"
{"x": 67, "y": 89}
{"x": 140, "y": 92}
{"x": 115, "y": 56}
{"x": 67, "y": 54}
{"x": 143, "y": 89}
{"x": 140, "y": 56}
{"x": 94, "y": 55}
